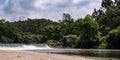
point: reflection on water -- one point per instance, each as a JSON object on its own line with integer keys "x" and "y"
{"x": 104, "y": 54}
{"x": 101, "y": 53}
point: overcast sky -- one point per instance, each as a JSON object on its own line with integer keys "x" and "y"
{"x": 12, "y": 10}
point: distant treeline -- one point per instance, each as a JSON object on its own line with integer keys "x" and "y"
{"x": 99, "y": 30}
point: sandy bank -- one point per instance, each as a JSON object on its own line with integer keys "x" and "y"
{"x": 25, "y": 55}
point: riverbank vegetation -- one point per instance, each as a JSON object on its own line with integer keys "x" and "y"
{"x": 99, "y": 30}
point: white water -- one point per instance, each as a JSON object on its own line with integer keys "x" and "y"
{"x": 23, "y": 46}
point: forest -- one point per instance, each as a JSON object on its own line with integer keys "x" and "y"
{"x": 100, "y": 30}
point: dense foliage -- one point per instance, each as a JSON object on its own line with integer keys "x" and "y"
{"x": 33, "y": 26}
{"x": 10, "y": 34}
{"x": 99, "y": 30}
{"x": 108, "y": 17}
{"x": 88, "y": 33}
{"x": 113, "y": 39}
{"x": 7, "y": 32}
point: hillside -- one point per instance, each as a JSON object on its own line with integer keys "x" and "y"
{"x": 33, "y": 26}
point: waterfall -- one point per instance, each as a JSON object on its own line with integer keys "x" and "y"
{"x": 23, "y": 46}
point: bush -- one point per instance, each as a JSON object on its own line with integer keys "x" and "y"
{"x": 3, "y": 39}
{"x": 103, "y": 43}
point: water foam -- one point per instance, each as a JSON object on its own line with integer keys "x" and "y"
{"x": 23, "y": 46}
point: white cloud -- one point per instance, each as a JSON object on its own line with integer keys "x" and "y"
{"x": 33, "y": 15}
{"x": 40, "y": 3}
{"x": 46, "y": 4}
{"x": 77, "y": 1}
{"x": 52, "y": 9}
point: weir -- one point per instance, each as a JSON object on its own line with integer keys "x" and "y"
{"x": 23, "y": 46}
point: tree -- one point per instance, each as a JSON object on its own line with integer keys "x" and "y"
{"x": 113, "y": 39}
{"x": 3, "y": 39}
{"x": 88, "y": 33}
{"x": 109, "y": 18}
{"x": 52, "y": 32}
{"x": 77, "y": 26}
{"x": 33, "y": 26}
{"x": 107, "y": 4}
{"x": 67, "y": 24}
{"x": 117, "y": 3}
{"x": 7, "y": 33}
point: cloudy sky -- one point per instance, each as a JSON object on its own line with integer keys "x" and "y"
{"x": 13, "y": 10}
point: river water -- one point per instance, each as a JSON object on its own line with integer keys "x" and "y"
{"x": 98, "y": 54}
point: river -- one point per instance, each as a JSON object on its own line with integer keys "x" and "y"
{"x": 98, "y": 54}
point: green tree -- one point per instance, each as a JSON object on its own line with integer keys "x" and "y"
{"x": 107, "y": 4}
{"x": 117, "y": 3}
{"x": 88, "y": 33}
{"x": 108, "y": 15}
{"x": 3, "y": 39}
{"x": 33, "y": 26}
{"x": 52, "y": 32}
{"x": 7, "y": 32}
{"x": 77, "y": 26}
{"x": 109, "y": 20}
{"x": 67, "y": 24}
{"x": 113, "y": 39}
